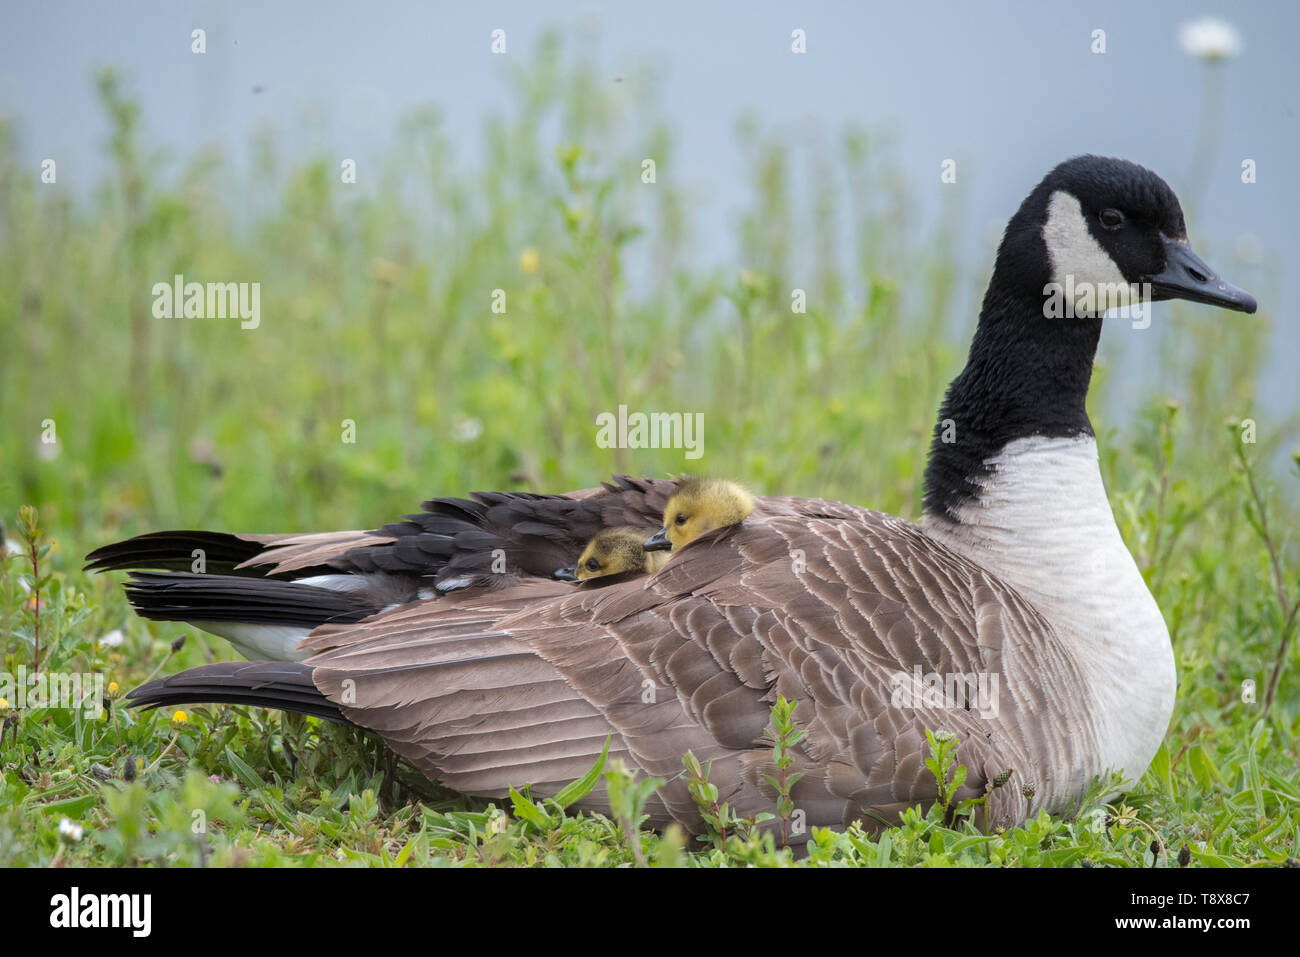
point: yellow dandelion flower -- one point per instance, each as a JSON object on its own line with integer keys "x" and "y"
{"x": 529, "y": 261}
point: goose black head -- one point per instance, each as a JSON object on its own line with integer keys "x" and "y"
{"x": 1098, "y": 233}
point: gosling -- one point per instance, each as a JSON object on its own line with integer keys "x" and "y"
{"x": 700, "y": 506}
{"x": 613, "y": 552}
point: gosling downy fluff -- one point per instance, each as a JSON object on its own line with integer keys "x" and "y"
{"x": 615, "y": 551}
{"x": 697, "y": 507}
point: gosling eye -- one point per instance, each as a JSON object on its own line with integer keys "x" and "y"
{"x": 593, "y": 565}
{"x": 681, "y": 519}
{"x": 1111, "y": 218}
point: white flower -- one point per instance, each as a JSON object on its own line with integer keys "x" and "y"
{"x": 69, "y": 832}
{"x": 1210, "y": 39}
{"x": 467, "y": 430}
{"x": 112, "y": 640}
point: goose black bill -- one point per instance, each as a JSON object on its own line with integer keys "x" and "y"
{"x": 1187, "y": 276}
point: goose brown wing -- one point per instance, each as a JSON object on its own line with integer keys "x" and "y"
{"x": 855, "y": 617}
{"x": 464, "y": 701}
{"x": 838, "y": 613}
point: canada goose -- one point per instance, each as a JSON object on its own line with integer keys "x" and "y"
{"x": 697, "y": 507}
{"x": 1017, "y": 574}
{"x": 615, "y": 551}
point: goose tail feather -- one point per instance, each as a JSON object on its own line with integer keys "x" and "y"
{"x": 181, "y": 596}
{"x": 177, "y": 551}
{"x": 285, "y": 686}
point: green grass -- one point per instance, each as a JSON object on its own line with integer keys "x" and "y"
{"x": 376, "y": 308}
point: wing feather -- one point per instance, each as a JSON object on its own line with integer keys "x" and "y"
{"x": 843, "y": 609}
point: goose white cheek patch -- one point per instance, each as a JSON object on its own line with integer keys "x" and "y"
{"x": 1085, "y": 280}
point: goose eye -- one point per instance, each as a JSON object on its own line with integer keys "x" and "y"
{"x": 681, "y": 519}
{"x": 1112, "y": 218}
{"x": 593, "y": 565}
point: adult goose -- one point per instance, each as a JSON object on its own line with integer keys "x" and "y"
{"x": 1017, "y": 575}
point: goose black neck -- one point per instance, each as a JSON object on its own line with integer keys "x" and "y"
{"x": 1026, "y": 375}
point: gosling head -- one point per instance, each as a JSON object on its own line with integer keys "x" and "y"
{"x": 698, "y": 507}
{"x": 612, "y": 552}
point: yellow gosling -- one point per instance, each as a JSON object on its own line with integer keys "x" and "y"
{"x": 612, "y": 552}
{"x": 700, "y": 506}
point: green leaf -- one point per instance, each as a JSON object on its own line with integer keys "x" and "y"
{"x": 1203, "y": 768}
{"x": 73, "y": 807}
{"x": 530, "y": 812}
{"x": 404, "y": 853}
{"x": 242, "y": 771}
{"x": 1160, "y": 770}
{"x": 1209, "y": 859}
{"x": 580, "y": 788}
{"x": 883, "y": 849}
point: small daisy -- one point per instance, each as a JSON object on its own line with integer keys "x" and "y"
{"x": 1210, "y": 39}
{"x": 69, "y": 832}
